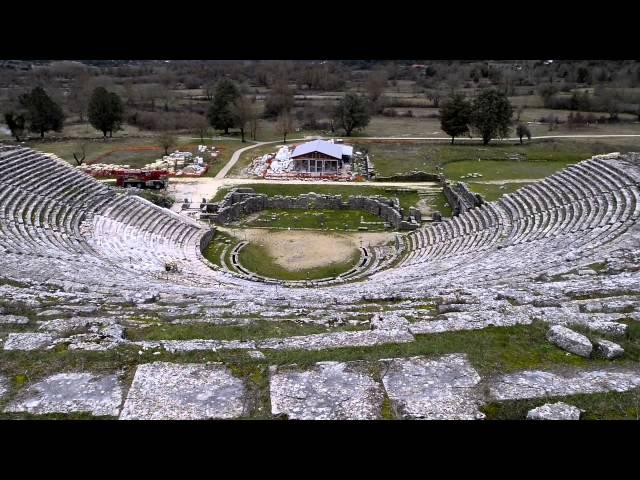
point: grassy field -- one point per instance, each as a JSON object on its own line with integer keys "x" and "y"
{"x": 256, "y": 259}
{"x": 597, "y": 406}
{"x": 503, "y": 169}
{"x": 406, "y": 198}
{"x": 314, "y": 219}
{"x": 491, "y": 192}
{"x": 391, "y": 158}
{"x": 136, "y": 152}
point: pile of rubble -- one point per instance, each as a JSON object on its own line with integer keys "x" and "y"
{"x": 471, "y": 175}
{"x": 184, "y": 163}
{"x": 176, "y": 163}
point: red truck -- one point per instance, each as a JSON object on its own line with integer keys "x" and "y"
{"x": 156, "y": 179}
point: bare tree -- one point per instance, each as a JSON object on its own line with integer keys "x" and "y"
{"x": 284, "y": 125}
{"x": 375, "y": 84}
{"x": 166, "y": 140}
{"x": 242, "y": 111}
{"x": 79, "y": 94}
{"x": 81, "y": 154}
{"x": 434, "y": 95}
{"x": 253, "y": 123}
{"x": 202, "y": 127}
{"x": 150, "y": 94}
{"x": 209, "y": 89}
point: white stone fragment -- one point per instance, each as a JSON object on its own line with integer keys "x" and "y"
{"x": 99, "y": 395}
{"x": 443, "y": 388}
{"x": 27, "y": 341}
{"x": 554, "y": 411}
{"x": 257, "y": 354}
{"x": 4, "y": 387}
{"x": 326, "y": 391}
{"x": 13, "y": 320}
{"x": 609, "y": 349}
{"x": 570, "y": 341}
{"x": 537, "y": 384}
{"x": 323, "y": 341}
{"x": 164, "y": 391}
{"x": 174, "y": 346}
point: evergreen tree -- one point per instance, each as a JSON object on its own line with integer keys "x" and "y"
{"x": 220, "y": 115}
{"x": 455, "y": 115}
{"x": 491, "y": 115}
{"x": 105, "y": 111}
{"x": 16, "y": 123}
{"x": 42, "y": 113}
{"x": 352, "y": 113}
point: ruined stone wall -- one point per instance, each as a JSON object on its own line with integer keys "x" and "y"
{"x": 473, "y": 199}
{"x": 410, "y": 177}
{"x": 206, "y": 239}
{"x": 460, "y": 197}
{"x": 240, "y": 202}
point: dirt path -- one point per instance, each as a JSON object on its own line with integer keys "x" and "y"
{"x": 291, "y": 249}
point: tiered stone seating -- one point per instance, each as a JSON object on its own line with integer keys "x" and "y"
{"x": 77, "y": 233}
{"x": 580, "y": 207}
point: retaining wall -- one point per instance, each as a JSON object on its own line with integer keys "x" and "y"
{"x": 244, "y": 201}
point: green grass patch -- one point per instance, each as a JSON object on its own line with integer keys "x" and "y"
{"x": 505, "y": 169}
{"x": 493, "y": 350}
{"x": 441, "y": 204}
{"x": 217, "y": 245}
{"x": 315, "y": 219}
{"x": 537, "y": 159}
{"x": 260, "y": 329}
{"x": 492, "y": 192}
{"x": 598, "y": 266}
{"x": 596, "y": 406}
{"x": 256, "y": 259}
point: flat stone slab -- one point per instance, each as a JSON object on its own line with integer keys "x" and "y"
{"x": 51, "y": 313}
{"x": 326, "y": 391}
{"x": 609, "y": 350}
{"x": 554, "y": 411}
{"x": 4, "y": 387}
{"x": 171, "y": 391}
{"x": 322, "y": 341}
{"x": 570, "y": 341}
{"x": 28, "y": 341}
{"x": 538, "y": 384}
{"x": 443, "y": 388}
{"x": 69, "y": 393}
{"x": 457, "y": 321}
{"x": 13, "y": 320}
{"x": 174, "y": 346}
{"x": 63, "y": 326}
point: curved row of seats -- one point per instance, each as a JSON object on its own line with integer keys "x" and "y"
{"x": 76, "y": 229}
{"x": 50, "y": 209}
{"x": 585, "y": 204}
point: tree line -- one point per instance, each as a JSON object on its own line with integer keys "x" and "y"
{"x": 37, "y": 112}
{"x": 489, "y": 114}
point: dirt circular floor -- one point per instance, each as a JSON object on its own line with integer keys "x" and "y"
{"x": 303, "y": 250}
